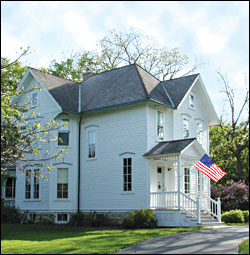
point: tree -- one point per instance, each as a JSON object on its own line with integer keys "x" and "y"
{"x": 230, "y": 141}
{"x": 124, "y": 48}
{"x": 21, "y": 140}
{"x": 133, "y": 47}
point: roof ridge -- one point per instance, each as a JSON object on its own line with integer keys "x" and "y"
{"x": 51, "y": 74}
{"x": 181, "y": 77}
{"x": 146, "y": 71}
{"x": 143, "y": 85}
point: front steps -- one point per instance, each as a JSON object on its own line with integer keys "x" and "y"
{"x": 175, "y": 218}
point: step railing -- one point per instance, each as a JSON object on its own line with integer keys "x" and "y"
{"x": 212, "y": 206}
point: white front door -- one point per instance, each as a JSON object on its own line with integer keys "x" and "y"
{"x": 160, "y": 179}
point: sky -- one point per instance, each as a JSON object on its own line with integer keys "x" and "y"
{"x": 216, "y": 32}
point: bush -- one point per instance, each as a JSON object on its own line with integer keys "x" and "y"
{"x": 246, "y": 216}
{"x": 235, "y": 196}
{"x": 91, "y": 219}
{"x": 77, "y": 219}
{"x": 233, "y": 216}
{"x": 144, "y": 218}
{"x": 9, "y": 214}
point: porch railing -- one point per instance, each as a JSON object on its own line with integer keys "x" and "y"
{"x": 170, "y": 200}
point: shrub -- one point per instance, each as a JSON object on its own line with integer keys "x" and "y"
{"x": 77, "y": 219}
{"x": 9, "y": 214}
{"x": 246, "y": 216}
{"x": 144, "y": 218}
{"x": 233, "y": 216}
{"x": 235, "y": 196}
{"x": 93, "y": 219}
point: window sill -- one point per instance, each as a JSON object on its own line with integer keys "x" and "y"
{"x": 90, "y": 159}
{"x": 9, "y": 198}
{"x": 62, "y": 200}
{"x": 191, "y": 108}
{"x": 32, "y": 200}
{"x": 127, "y": 193}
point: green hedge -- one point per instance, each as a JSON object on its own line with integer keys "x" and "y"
{"x": 9, "y": 214}
{"x": 235, "y": 216}
{"x": 144, "y": 218}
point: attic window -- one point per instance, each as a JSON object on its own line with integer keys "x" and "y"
{"x": 191, "y": 101}
{"x": 34, "y": 99}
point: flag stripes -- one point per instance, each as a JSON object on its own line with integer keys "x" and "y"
{"x": 210, "y": 169}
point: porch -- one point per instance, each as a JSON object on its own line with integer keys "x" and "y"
{"x": 179, "y": 193}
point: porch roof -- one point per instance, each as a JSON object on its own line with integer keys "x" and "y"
{"x": 169, "y": 147}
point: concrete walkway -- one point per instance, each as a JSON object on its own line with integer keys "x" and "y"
{"x": 219, "y": 240}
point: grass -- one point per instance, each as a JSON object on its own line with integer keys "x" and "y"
{"x": 244, "y": 247}
{"x": 40, "y": 239}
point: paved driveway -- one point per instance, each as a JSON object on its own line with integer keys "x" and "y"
{"x": 219, "y": 240}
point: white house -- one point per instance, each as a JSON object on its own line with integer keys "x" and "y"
{"x": 132, "y": 141}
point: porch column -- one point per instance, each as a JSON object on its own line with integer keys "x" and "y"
{"x": 179, "y": 182}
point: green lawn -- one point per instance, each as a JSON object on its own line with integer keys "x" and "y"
{"x": 39, "y": 239}
{"x": 244, "y": 247}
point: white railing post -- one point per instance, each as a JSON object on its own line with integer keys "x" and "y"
{"x": 198, "y": 210}
{"x": 219, "y": 209}
{"x": 179, "y": 182}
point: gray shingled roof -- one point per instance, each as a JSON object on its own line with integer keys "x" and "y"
{"x": 177, "y": 88}
{"x": 115, "y": 87}
{"x": 119, "y": 86}
{"x": 175, "y": 146}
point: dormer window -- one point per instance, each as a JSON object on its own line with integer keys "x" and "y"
{"x": 191, "y": 101}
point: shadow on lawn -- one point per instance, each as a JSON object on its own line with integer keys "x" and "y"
{"x": 39, "y": 233}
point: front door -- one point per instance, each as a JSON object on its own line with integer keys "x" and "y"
{"x": 160, "y": 179}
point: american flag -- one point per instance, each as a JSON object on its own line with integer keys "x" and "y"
{"x": 209, "y": 168}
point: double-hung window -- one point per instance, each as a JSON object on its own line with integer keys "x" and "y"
{"x": 32, "y": 184}
{"x": 186, "y": 180}
{"x": 34, "y": 99}
{"x": 185, "y": 128}
{"x": 63, "y": 133}
{"x": 62, "y": 183}
{"x": 127, "y": 174}
{"x": 191, "y": 101}
{"x": 10, "y": 188}
{"x": 160, "y": 126}
{"x": 199, "y": 132}
{"x": 92, "y": 144}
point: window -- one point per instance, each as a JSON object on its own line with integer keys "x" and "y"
{"x": 36, "y": 184}
{"x": 34, "y": 98}
{"x": 10, "y": 188}
{"x": 199, "y": 132}
{"x": 185, "y": 128}
{"x": 91, "y": 144}
{"x": 32, "y": 184}
{"x": 186, "y": 180}
{"x": 32, "y": 217}
{"x": 63, "y": 133}
{"x": 160, "y": 125}
{"x": 62, "y": 183}
{"x": 62, "y": 217}
{"x": 127, "y": 174}
{"x": 200, "y": 182}
{"x": 191, "y": 101}
{"x": 28, "y": 184}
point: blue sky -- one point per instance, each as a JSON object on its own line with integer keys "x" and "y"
{"x": 216, "y": 31}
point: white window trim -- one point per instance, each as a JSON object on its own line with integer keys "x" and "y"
{"x": 198, "y": 121}
{"x": 156, "y": 126}
{"x": 38, "y": 99}
{"x": 194, "y": 107}
{"x": 61, "y": 222}
{"x": 69, "y": 186}
{"x": 32, "y": 187}
{"x": 123, "y": 156}
{"x": 89, "y": 129}
{"x": 187, "y": 117}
